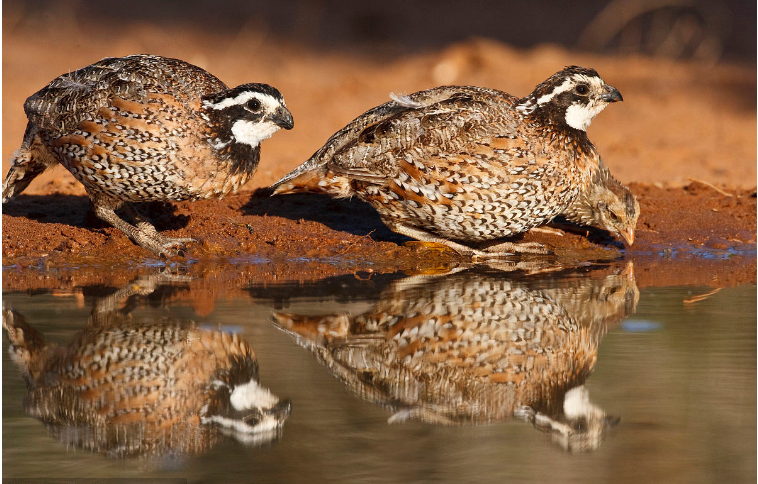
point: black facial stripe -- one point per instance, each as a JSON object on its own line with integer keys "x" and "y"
{"x": 233, "y": 113}
{"x": 629, "y": 205}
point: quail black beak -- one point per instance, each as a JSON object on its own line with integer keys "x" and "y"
{"x": 282, "y": 118}
{"x": 612, "y": 95}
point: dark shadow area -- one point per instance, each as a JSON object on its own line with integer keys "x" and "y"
{"x": 592, "y": 234}
{"x": 347, "y": 215}
{"x": 75, "y": 210}
{"x": 342, "y": 289}
{"x": 399, "y": 26}
{"x": 61, "y": 209}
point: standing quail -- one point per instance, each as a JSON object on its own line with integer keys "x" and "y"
{"x": 466, "y": 165}
{"x": 606, "y": 204}
{"x": 146, "y": 128}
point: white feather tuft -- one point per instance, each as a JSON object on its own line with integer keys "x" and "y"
{"x": 405, "y": 101}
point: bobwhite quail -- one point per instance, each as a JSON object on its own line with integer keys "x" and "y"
{"x": 606, "y": 204}
{"x": 473, "y": 347}
{"x": 466, "y": 165}
{"x": 145, "y": 389}
{"x": 146, "y": 128}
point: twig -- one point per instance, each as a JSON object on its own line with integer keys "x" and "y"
{"x": 548, "y": 230}
{"x": 702, "y": 296}
{"x": 712, "y": 186}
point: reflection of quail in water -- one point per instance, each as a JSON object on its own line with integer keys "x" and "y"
{"x": 146, "y": 128}
{"x": 465, "y": 165}
{"x": 471, "y": 348}
{"x": 606, "y": 204}
{"x": 145, "y": 389}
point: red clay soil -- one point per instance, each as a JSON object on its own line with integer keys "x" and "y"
{"x": 679, "y": 122}
{"x": 688, "y": 235}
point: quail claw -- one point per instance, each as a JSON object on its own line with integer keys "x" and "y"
{"x": 165, "y": 246}
{"x": 504, "y": 249}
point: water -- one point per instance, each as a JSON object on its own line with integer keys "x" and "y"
{"x": 476, "y": 376}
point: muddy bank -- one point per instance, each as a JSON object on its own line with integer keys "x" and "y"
{"x": 679, "y": 119}
{"x": 691, "y": 235}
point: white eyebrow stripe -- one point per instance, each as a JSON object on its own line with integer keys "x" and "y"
{"x": 234, "y": 101}
{"x": 567, "y": 85}
{"x": 268, "y": 101}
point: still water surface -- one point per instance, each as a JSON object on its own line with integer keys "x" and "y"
{"x": 474, "y": 376}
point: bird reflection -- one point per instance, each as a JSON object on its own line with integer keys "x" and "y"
{"x": 129, "y": 389}
{"x": 477, "y": 347}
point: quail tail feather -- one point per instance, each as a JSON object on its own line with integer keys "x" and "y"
{"x": 317, "y": 180}
{"x": 287, "y": 183}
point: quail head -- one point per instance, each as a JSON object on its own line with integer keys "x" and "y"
{"x": 606, "y": 204}
{"x": 146, "y": 128}
{"x": 466, "y": 166}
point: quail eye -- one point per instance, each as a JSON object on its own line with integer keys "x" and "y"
{"x": 614, "y": 217}
{"x": 253, "y": 105}
{"x": 582, "y": 89}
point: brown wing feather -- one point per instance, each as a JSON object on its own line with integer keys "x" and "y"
{"x": 343, "y": 151}
{"x": 449, "y": 119}
{"x": 74, "y": 97}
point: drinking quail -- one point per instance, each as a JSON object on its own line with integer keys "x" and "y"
{"x": 466, "y": 165}
{"x": 474, "y": 347}
{"x": 606, "y": 204}
{"x": 146, "y": 128}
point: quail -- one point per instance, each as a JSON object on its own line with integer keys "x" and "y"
{"x": 475, "y": 347}
{"x": 464, "y": 165}
{"x": 145, "y": 389}
{"x": 606, "y": 204}
{"x": 146, "y": 128}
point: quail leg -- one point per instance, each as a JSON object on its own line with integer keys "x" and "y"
{"x": 501, "y": 249}
{"x": 145, "y": 225}
{"x": 509, "y": 248}
{"x": 144, "y": 235}
{"x": 425, "y": 236}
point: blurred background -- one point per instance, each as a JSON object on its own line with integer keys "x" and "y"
{"x": 686, "y": 68}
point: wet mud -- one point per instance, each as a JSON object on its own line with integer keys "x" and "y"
{"x": 694, "y": 235}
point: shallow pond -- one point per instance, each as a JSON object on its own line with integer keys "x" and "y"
{"x": 478, "y": 375}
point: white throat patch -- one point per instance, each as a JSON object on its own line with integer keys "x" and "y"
{"x": 253, "y": 132}
{"x": 579, "y": 116}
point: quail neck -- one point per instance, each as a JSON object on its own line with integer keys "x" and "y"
{"x": 241, "y": 118}
{"x": 569, "y": 99}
